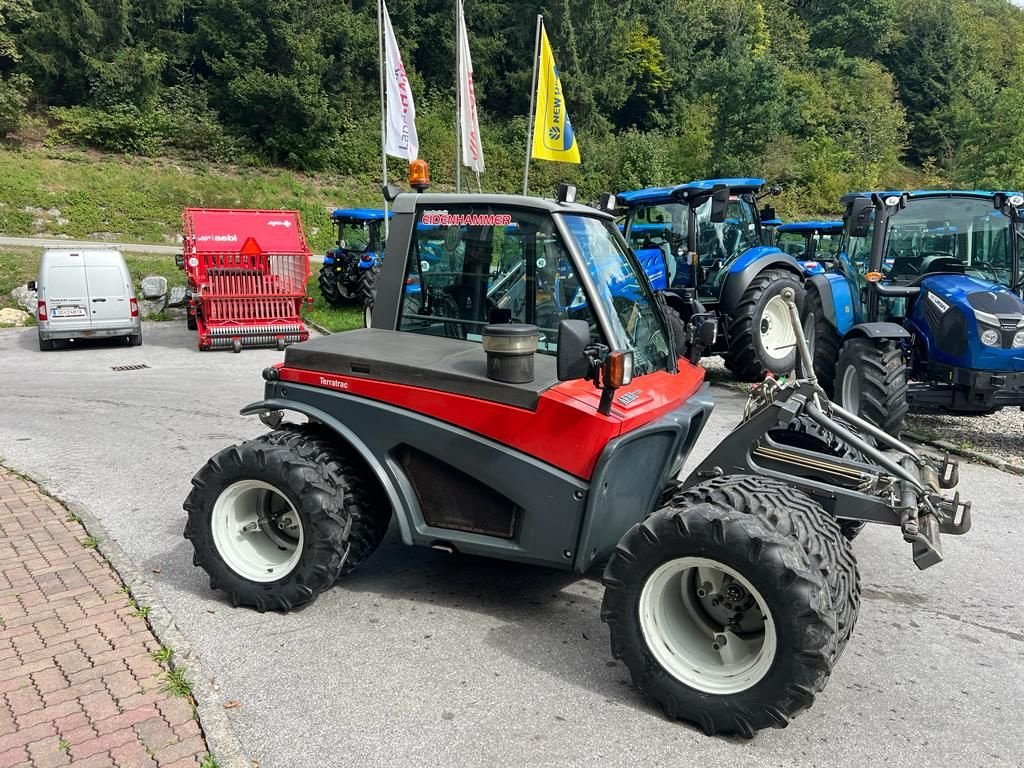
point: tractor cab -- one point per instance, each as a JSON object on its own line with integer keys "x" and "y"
{"x": 935, "y": 277}
{"x": 814, "y": 244}
{"x": 702, "y": 243}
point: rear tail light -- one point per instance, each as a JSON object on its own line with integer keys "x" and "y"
{"x": 42, "y": 311}
{"x": 135, "y": 308}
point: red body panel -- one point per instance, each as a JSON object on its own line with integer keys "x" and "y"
{"x": 223, "y": 230}
{"x": 565, "y": 430}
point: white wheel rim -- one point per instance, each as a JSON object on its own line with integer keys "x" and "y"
{"x": 682, "y": 628}
{"x": 850, "y": 389}
{"x": 367, "y": 316}
{"x": 241, "y": 523}
{"x": 778, "y": 338}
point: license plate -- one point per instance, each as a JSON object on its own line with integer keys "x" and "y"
{"x": 68, "y": 312}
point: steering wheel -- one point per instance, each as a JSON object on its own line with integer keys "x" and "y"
{"x": 983, "y": 266}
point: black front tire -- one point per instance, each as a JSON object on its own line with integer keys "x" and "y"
{"x": 292, "y": 467}
{"x": 775, "y": 563}
{"x": 794, "y": 514}
{"x": 871, "y": 381}
{"x": 190, "y": 321}
{"x": 677, "y": 328}
{"x": 747, "y": 358}
{"x": 823, "y": 339}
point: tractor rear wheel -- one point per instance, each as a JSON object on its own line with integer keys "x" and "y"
{"x": 364, "y": 501}
{"x": 268, "y": 521}
{"x": 761, "y": 336}
{"x": 719, "y": 617}
{"x": 329, "y": 289}
{"x": 368, "y": 291}
{"x": 871, "y": 381}
{"x": 793, "y": 513}
{"x": 823, "y": 341}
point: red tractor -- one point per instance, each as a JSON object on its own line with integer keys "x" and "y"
{"x": 526, "y": 402}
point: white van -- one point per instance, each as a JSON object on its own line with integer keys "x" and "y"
{"x": 85, "y": 294}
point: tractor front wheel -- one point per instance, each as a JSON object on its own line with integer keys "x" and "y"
{"x": 823, "y": 341}
{"x": 720, "y": 617}
{"x": 761, "y": 334}
{"x": 268, "y": 521}
{"x": 871, "y": 381}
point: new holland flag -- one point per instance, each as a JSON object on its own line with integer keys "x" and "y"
{"x": 553, "y": 137}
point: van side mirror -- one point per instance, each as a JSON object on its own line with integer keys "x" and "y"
{"x": 573, "y": 340}
{"x": 719, "y": 203}
{"x": 858, "y": 216}
{"x": 31, "y": 285}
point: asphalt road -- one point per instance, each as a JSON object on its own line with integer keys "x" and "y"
{"x": 421, "y": 659}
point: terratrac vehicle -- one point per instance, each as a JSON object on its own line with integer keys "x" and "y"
{"x": 923, "y": 305}
{"x": 482, "y": 428}
{"x": 707, "y": 235}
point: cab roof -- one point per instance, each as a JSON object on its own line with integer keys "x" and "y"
{"x": 668, "y": 194}
{"x": 980, "y": 194}
{"x": 832, "y": 227}
{"x": 407, "y": 202}
{"x": 359, "y": 214}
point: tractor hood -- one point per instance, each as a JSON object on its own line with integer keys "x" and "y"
{"x": 961, "y": 309}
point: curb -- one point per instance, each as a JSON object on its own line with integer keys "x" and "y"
{"x": 317, "y": 327}
{"x": 221, "y": 741}
{"x": 968, "y": 453}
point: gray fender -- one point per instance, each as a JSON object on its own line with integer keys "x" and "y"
{"x": 736, "y": 283}
{"x": 346, "y": 434}
{"x": 877, "y": 331}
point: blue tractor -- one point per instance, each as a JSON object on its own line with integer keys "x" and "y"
{"x": 812, "y": 243}
{"x": 349, "y": 274}
{"x": 701, "y": 244}
{"x": 922, "y": 305}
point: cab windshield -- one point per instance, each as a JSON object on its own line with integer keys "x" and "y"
{"x": 355, "y": 235}
{"x": 959, "y": 235}
{"x": 636, "y": 323}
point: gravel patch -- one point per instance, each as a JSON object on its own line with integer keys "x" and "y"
{"x": 1000, "y": 435}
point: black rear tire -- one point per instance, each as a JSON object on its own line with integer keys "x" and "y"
{"x": 328, "y": 282}
{"x": 364, "y": 502}
{"x": 871, "y": 381}
{"x": 45, "y": 345}
{"x": 747, "y": 358}
{"x": 293, "y": 469}
{"x": 135, "y": 340}
{"x": 799, "y": 612}
{"x": 368, "y": 291}
{"x": 794, "y": 514}
{"x": 823, "y": 340}
{"x": 190, "y": 321}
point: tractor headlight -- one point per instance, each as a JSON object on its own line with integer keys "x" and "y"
{"x": 990, "y": 337}
{"x": 1018, "y": 340}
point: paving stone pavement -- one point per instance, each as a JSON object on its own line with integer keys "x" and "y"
{"x": 78, "y": 681}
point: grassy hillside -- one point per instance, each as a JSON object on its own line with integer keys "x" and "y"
{"x": 91, "y": 195}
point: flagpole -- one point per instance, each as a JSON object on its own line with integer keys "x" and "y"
{"x": 533, "y": 99}
{"x": 458, "y": 97}
{"x": 383, "y": 107}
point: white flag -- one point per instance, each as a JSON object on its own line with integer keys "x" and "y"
{"x": 400, "y": 138}
{"x": 472, "y": 151}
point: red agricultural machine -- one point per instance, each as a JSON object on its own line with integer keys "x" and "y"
{"x": 247, "y": 274}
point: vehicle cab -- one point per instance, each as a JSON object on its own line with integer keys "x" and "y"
{"x": 814, "y": 244}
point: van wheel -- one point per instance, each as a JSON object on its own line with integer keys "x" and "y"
{"x": 135, "y": 340}
{"x": 45, "y": 345}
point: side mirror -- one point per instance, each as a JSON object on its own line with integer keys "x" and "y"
{"x": 31, "y": 285}
{"x": 719, "y": 203}
{"x": 858, "y": 216}
{"x": 573, "y": 340}
{"x": 768, "y": 213}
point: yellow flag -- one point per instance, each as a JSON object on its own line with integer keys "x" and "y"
{"x": 553, "y": 137}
